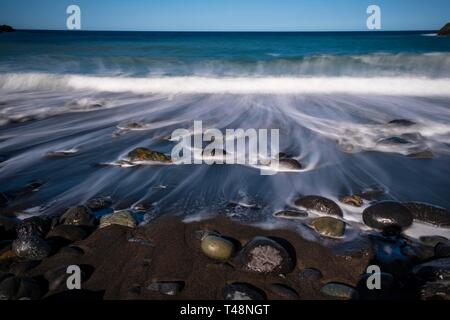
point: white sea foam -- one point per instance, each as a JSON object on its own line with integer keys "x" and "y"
{"x": 395, "y": 86}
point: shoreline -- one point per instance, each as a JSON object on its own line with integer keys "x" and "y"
{"x": 164, "y": 260}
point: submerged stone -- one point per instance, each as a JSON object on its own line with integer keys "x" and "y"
{"x": 290, "y": 214}
{"x": 372, "y": 193}
{"x": 421, "y": 154}
{"x": 99, "y": 203}
{"x": 329, "y": 227}
{"x": 393, "y": 141}
{"x": 289, "y": 164}
{"x": 144, "y": 154}
{"x": 402, "y": 122}
{"x": 353, "y": 200}
{"x": 319, "y": 204}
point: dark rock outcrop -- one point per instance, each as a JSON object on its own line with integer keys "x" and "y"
{"x": 5, "y": 28}
{"x": 445, "y": 31}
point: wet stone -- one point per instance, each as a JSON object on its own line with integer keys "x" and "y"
{"x": 436, "y": 290}
{"x": 290, "y": 214}
{"x": 31, "y": 248}
{"x": 388, "y": 215}
{"x": 438, "y": 269}
{"x": 34, "y": 226}
{"x": 217, "y": 248}
{"x": 310, "y": 274}
{"x": 329, "y": 227}
{"x": 121, "y": 218}
{"x": 167, "y": 288}
{"x": 372, "y": 193}
{"x": 354, "y": 200}
{"x": 420, "y": 153}
{"x": 339, "y": 291}
{"x": 284, "y": 291}
{"x": 442, "y": 250}
{"x": 18, "y": 288}
{"x": 319, "y": 204}
{"x": 144, "y": 154}
{"x": 242, "y": 291}
{"x": 99, "y": 203}
{"x": 264, "y": 255}
{"x": 78, "y": 216}
{"x": 67, "y": 232}
{"x": 393, "y": 141}
{"x": 432, "y": 241}
{"x": 289, "y": 164}
{"x": 434, "y": 215}
{"x": 416, "y": 251}
{"x": 402, "y": 122}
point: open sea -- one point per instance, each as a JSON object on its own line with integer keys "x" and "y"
{"x": 332, "y": 95}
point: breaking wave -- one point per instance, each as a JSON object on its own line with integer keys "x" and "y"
{"x": 405, "y": 86}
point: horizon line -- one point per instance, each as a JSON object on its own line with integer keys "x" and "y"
{"x": 233, "y": 31}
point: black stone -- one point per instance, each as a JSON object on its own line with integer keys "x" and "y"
{"x": 432, "y": 241}
{"x": 434, "y": 215}
{"x": 438, "y": 269}
{"x": 442, "y": 250}
{"x": 264, "y": 255}
{"x": 31, "y": 248}
{"x": 436, "y": 290}
{"x": 387, "y": 215}
{"x": 402, "y": 122}
{"x": 393, "y": 141}
{"x": 68, "y": 232}
{"x": 310, "y": 274}
{"x": 99, "y": 203}
{"x": 320, "y": 204}
{"x": 78, "y": 216}
{"x": 34, "y": 226}
{"x": 19, "y": 288}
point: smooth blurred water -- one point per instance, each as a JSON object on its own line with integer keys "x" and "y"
{"x": 65, "y": 90}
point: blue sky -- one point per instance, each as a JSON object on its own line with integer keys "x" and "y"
{"x": 226, "y": 15}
